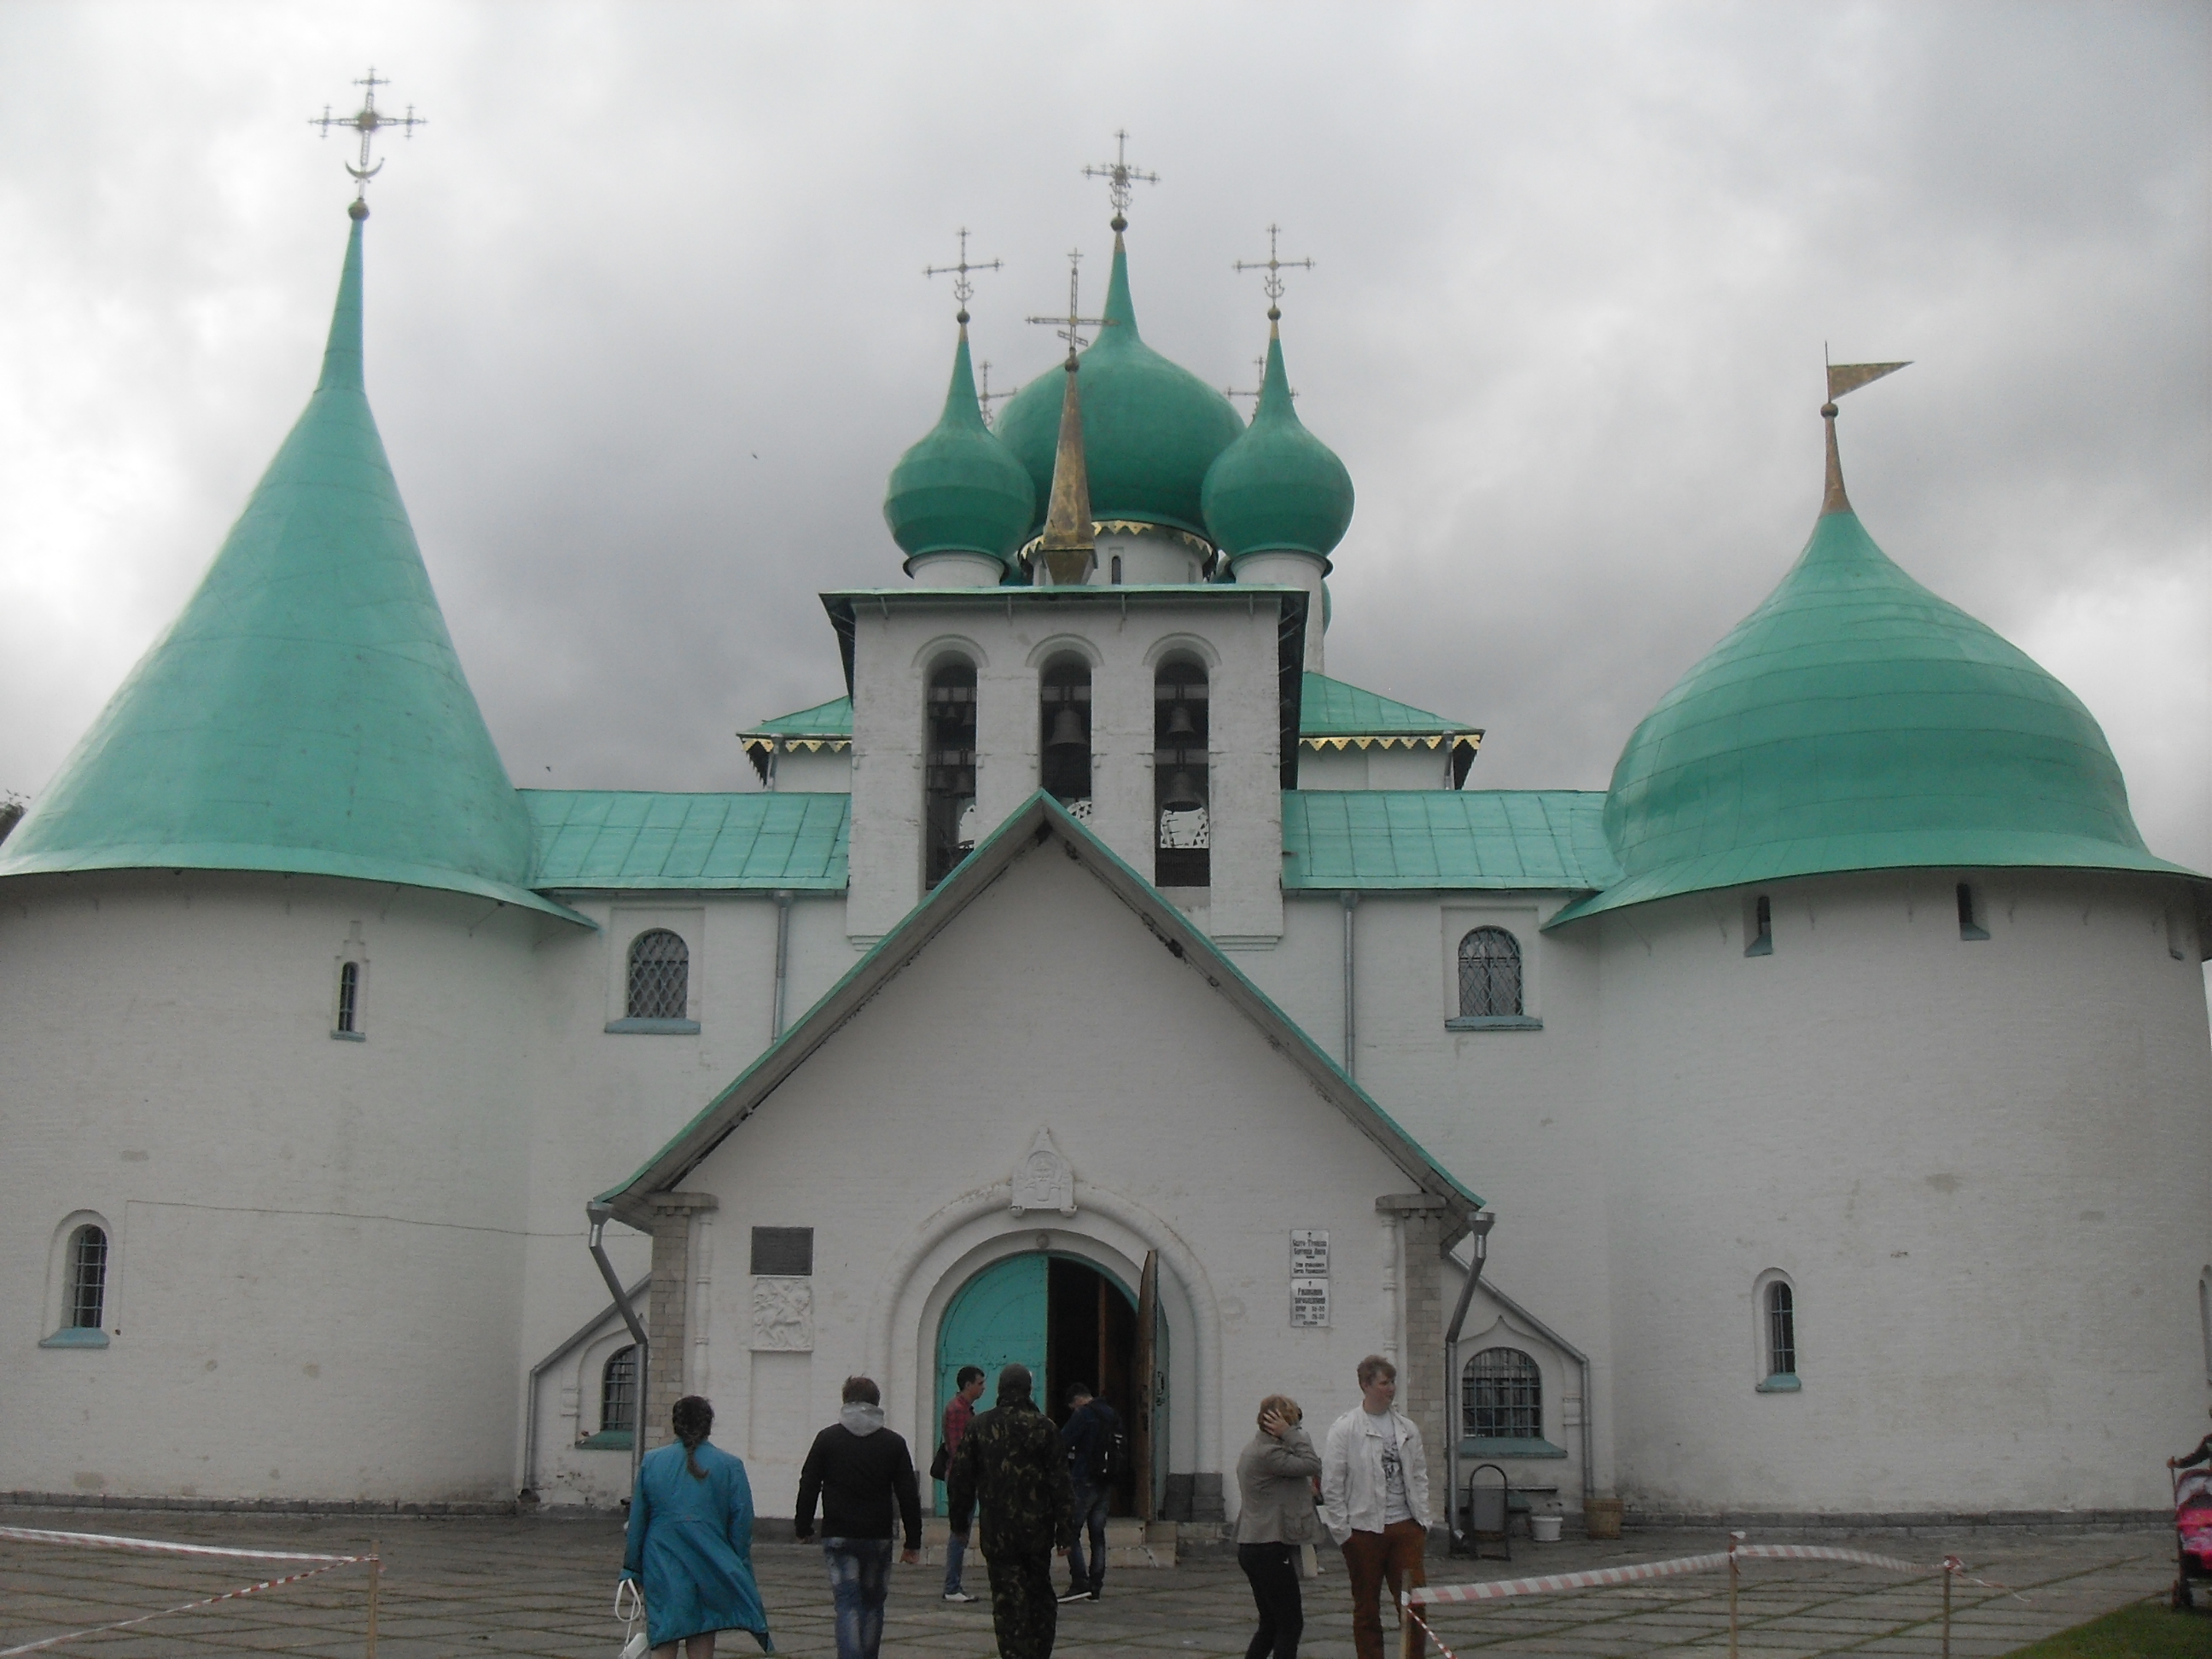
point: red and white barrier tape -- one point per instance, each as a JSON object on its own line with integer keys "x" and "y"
{"x": 1436, "y": 1640}
{"x": 1597, "y": 1578}
{"x": 185, "y": 1607}
{"x": 104, "y": 1540}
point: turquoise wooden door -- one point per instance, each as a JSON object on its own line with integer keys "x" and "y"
{"x": 998, "y": 1318}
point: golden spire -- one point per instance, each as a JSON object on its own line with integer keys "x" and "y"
{"x": 1067, "y": 548}
{"x": 1843, "y": 378}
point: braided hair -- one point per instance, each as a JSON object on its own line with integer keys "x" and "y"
{"x": 693, "y": 1419}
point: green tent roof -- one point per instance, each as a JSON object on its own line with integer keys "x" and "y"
{"x": 1423, "y": 839}
{"x": 1856, "y": 721}
{"x": 1332, "y": 708}
{"x": 1278, "y": 487}
{"x": 959, "y": 489}
{"x": 601, "y": 838}
{"x": 305, "y": 714}
{"x": 833, "y": 719}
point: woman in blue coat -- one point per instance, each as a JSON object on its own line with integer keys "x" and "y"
{"x": 691, "y": 1541}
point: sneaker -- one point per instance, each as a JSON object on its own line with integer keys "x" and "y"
{"x": 960, "y": 1595}
{"x": 1095, "y": 1593}
{"x": 1077, "y": 1595}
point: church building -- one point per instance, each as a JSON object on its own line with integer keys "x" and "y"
{"x": 1817, "y": 1121}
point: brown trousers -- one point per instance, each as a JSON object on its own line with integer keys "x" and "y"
{"x": 1394, "y": 1554}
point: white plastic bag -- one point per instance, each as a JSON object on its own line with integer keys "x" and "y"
{"x": 635, "y": 1645}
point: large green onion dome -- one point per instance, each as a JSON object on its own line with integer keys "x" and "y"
{"x": 1856, "y": 722}
{"x": 1150, "y": 429}
{"x": 960, "y": 489}
{"x": 1278, "y": 487}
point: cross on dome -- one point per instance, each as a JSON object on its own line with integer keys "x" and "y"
{"x": 1119, "y": 176}
{"x": 962, "y": 289}
{"x": 368, "y": 121}
{"x": 1071, "y": 325}
{"x": 1273, "y": 282}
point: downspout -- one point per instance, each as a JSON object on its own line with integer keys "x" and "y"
{"x": 782, "y": 962}
{"x": 600, "y": 1216}
{"x": 1351, "y": 1047}
{"x": 1582, "y": 1359}
{"x": 530, "y": 1410}
{"x": 1479, "y": 1248}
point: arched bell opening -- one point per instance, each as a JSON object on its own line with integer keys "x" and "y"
{"x": 1183, "y": 856}
{"x": 949, "y": 768}
{"x": 1064, "y": 732}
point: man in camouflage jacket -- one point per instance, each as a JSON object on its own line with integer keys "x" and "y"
{"x": 1012, "y": 1460}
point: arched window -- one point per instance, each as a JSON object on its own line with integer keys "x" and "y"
{"x": 659, "y": 976}
{"x": 85, "y": 1292}
{"x": 1502, "y": 1396}
{"x": 348, "y": 997}
{"x": 949, "y": 769}
{"x": 1064, "y": 718}
{"x": 1781, "y": 1331}
{"x": 618, "y": 1392}
{"x": 1489, "y": 975}
{"x": 1180, "y": 794}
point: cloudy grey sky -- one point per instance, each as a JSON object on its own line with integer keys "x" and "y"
{"x": 648, "y": 328}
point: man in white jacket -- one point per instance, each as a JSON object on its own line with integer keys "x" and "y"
{"x": 1375, "y": 1500}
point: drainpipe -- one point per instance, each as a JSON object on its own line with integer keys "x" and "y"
{"x": 1350, "y": 1047}
{"x": 1478, "y": 1247}
{"x": 1581, "y": 1359}
{"x": 600, "y": 1216}
{"x": 536, "y": 1371}
{"x": 782, "y": 962}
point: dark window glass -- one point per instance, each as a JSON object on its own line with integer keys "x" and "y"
{"x": 1489, "y": 975}
{"x": 87, "y": 1278}
{"x": 618, "y": 1390}
{"x": 785, "y": 1251}
{"x": 348, "y": 995}
{"x": 1781, "y": 1331}
{"x": 1762, "y": 927}
{"x": 659, "y": 976}
{"x": 1502, "y": 1395}
{"x": 949, "y": 769}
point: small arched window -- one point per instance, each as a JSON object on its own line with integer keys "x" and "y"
{"x": 1502, "y": 1396}
{"x": 349, "y": 998}
{"x": 1781, "y": 1331}
{"x": 659, "y": 976}
{"x": 1489, "y": 975}
{"x": 85, "y": 1293}
{"x": 618, "y": 1392}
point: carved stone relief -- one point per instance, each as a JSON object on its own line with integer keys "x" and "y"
{"x": 1043, "y": 1179}
{"x": 783, "y": 1314}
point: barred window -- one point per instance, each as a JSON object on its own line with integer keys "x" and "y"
{"x": 1502, "y": 1396}
{"x": 87, "y": 1278}
{"x": 1781, "y": 1330}
{"x": 1489, "y": 975}
{"x": 659, "y": 976}
{"x": 349, "y": 995}
{"x": 618, "y": 1390}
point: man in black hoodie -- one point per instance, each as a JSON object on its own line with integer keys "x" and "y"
{"x": 859, "y": 1468}
{"x": 1011, "y": 1459}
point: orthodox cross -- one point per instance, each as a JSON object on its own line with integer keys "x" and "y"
{"x": 1069, "y": 326}
{"x": 1275, "y": 268}
{"x": 985, "y": 397}
{"x": 368, "y": 121}
{"x": 962, "y": 289}
{"x": 1119, "y": 176}
{"x": 1258, "y": 374}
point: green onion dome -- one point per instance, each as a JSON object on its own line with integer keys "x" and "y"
{"x": 1856, "y": 722}
{"x": 1278, "y": 487}
{"x": 959, "y": 491}
{"x": 1150, "y": 429}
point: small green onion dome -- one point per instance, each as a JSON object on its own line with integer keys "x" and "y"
{"x": 1278, "y": 487}
{"x": 959, "y": 491}
{"x": 1856, "y": 722}
{"x": 1151, "y": 428}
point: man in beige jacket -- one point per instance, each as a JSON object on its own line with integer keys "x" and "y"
{"x": 1375, "y": 1500}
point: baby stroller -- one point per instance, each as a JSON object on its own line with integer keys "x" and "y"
{"x": 2192, "y": 1531}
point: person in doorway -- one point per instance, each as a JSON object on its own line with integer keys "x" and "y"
{"x": 860, "y": 1471}
{"x": 959, "y": 1413}
{"x": 1092, "y": 1436}
{"x": 1275, "y": 1517}
{"x": 1011, "y": 1462}
{"x": 1375, "y": 1500}
{"x": 691, "y": 1543}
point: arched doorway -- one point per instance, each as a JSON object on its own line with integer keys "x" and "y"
{"x": 1065, "y": 1320}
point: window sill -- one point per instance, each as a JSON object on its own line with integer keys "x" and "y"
{"x": 655, "y": 1027}
{"x": 76, "y": 1337}
{"x": 605, "y": 1440}
{"x": 1781, "y": 1382}
{"x": 348, "y": 1037}
{"x": 1494, "y": 1022}
{"x": 1478, "y": 1446}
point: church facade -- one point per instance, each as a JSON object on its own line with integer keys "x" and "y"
{"x": 1813, "y": 1123}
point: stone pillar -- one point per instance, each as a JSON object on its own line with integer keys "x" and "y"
{"x": 1426, "y": 1228}
{"x": 668, "y": 1305}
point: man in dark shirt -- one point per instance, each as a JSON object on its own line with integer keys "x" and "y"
{"x": 1088, "y": 1438}
{"x": 1012, "y": 1462}
{"x": 858, "y": 1470}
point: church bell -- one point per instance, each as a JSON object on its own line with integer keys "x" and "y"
{"x": 1066, "y": 730}
{"x": 1183, "y": 794}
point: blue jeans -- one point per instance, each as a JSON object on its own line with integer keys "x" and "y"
{"x": 860, "y": 1578}
{"x": 1091, "y": 1517}
{"x": 956, "y": 1548}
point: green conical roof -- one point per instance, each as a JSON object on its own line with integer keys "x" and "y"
{"x": 1278, "y": 487}
{"x": 305, "y": 714}
{"x": 1856, "y": 721}
{"x": 1150, "y": 429}
{"x": 960, "y": 490}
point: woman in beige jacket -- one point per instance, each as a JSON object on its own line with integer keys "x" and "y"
{"x": 1274, "y": 1483}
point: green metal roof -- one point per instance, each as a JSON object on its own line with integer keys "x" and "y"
{"x": 1427, "y": 839}
{"x": 1331, "y": 709}
{"x": 305, "y": 714}
{"x": 1278, "y": 487}
{"x": 590, "y": 839}
{"x": 1151, "y": 428}
{"x": 833, "y": 719}
{"x": 960, "y": 489}
{"x": 1856, "y": 721}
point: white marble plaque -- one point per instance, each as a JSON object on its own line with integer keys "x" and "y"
{"x": 1308, "y": 1253}
{"x": 1309, "y": 1303}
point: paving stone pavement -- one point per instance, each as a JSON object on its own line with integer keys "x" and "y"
{"x": 538, "y": 1586}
